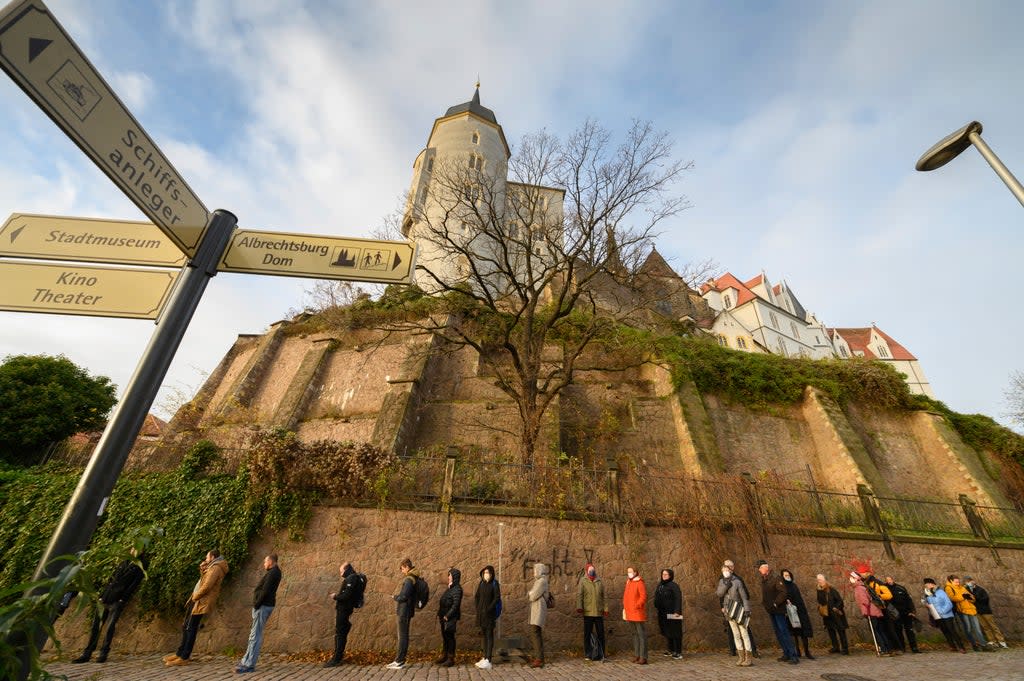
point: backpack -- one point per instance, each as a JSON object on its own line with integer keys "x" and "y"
{"x": 422, "y": 592}
{"x": 360, "y": 585}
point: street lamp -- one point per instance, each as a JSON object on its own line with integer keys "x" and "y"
{"x": 951, "y": 147}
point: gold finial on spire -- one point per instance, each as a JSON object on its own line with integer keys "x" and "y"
{"x": 478, "y": 81}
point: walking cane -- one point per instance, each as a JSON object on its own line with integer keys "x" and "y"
{"x": 878, "y": 651}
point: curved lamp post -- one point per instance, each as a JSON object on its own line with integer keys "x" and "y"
{"x": 951, "y": 147}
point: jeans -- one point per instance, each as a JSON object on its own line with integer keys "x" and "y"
{"x": 780, "y": 623}
{"x": 403, "y": 639}
{"x": 110, "y": 614}
{"x": 260, "y": 616}
{"x": 593, "y": 625}
{"x": 188, "y": 636}
{"x": 971, "y": 628}
{"x": 639, "y": 639}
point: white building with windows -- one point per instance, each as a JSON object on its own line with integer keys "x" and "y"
{"x": 463, "y": 211}
{"x": 755, "y": 316}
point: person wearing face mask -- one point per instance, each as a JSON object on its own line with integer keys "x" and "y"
{"x": 486, "y": 599}
{"x": 735, "y": 601}
{"x": 591, "y": 605}
{"x": 668, "y": 601}
{"x": 804, "y": 631}
{"x": 634, "y": 611}
{"x": 992, "y": 632}
{"x": 871, "y": 608}
{"x": 773, "y": 598}
{"x": 730, "y": 639}
{"x": 941, "y": 610}
{"x": 448, "y": 614}
{"x": 966, "y": 612}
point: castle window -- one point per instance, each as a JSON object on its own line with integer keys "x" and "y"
{"x": 430, "y": 166}
{"x": 472, "y": 193}
{"x": 782, "y": 348}
{"x": 741, "y": 343}
{"x": 796, "y": 331}
{"x": 842, "y": 351}
{"x": 723, "y": 341}
{"x": 476, "y": 161}
{"x": 475, "y": 138}
{"x": 774, "y": 319}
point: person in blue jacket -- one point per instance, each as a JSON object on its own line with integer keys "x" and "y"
{"x": 938, "y": 601}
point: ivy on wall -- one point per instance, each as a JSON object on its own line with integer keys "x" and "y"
{"x": 197, "y": 509}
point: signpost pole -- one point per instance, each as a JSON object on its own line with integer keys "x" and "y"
{"x": 89, "y": 501}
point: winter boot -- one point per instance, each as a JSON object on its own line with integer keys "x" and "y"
{"x": 747, "y": 660}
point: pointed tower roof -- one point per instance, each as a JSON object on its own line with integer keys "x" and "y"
{"x": 473, "y": 106}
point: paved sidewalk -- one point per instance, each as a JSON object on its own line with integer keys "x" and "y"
{"x": 1004, "y": 665}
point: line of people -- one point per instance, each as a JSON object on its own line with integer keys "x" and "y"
{"x": 960, "y": 610}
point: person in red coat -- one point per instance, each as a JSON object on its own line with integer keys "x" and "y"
{"x": 634, "y": 611}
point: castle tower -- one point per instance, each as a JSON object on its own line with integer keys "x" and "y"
{"x": 465, "y": 143}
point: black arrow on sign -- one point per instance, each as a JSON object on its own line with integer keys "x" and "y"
{"x": 397, "y": 261}
{"x": 15, "y": 233}
{"x": 36, "y": 47}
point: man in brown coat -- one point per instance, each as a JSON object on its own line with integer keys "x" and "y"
{"x": 211, "y": 576}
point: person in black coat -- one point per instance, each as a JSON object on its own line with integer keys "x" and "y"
{"x": 126, "y": 580}
{"x": 345, "y": 600}
{"x": 804, "y": 631}
{"x": 486, "y": 599}
{"x": 904, "y": 626}
{"x": 449, "y": 611}
{"x": 833, "y": 615}
{"x": 668, "y": 600}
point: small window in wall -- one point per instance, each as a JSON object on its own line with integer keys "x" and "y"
{"x": 728, "y": 300}
{"x": 796, "y": 331}
{"x": 883, "y": 351}
{"x": 774, "y": 319}
{"x": 723, "y": 341}
{"x": 475, "y": 138}
{"x": 741, "y": 343}
{"x": 430, "y": 166}
{"x": 782, "y": 348}
{"x": 842, "y": 351}
{"x": 476, "y": 161}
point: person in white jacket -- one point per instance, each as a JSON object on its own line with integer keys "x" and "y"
{"x": 538, "y": 596}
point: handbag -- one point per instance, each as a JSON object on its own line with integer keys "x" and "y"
{"x": 549, "y": 600}
{"x": 823, "y": 610}
{"x": 738, "y": 614}
{"x": 794, "y": 615}
{"x": 891, "y": 612}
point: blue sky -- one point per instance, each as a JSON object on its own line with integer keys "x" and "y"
{"x": 803, "y": 119}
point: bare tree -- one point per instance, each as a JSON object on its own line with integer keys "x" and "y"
{"x": 541, "y": 261}
{"x": 1015, "y": 398}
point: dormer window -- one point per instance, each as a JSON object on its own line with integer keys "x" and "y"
{"x": 883, "y": 351}
{"x": 728, "y": 300}
{"x": 842, "y": 351}
{"x": 475, "y": 138}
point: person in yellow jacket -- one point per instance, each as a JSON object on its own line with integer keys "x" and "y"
{"x": 211, "y": 575}
{"x": 966, "y": 612}
{"x": 884, "y": 595}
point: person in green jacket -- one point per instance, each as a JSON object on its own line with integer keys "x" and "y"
{"x": 591, "y": 604}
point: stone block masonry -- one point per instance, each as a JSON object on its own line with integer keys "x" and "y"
{"x": 376, "y": 540}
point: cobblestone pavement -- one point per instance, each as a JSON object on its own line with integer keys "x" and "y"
{"x": 1004, "y": 665}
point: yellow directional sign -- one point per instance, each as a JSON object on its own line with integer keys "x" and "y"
{"x": 320, "y": 257}
{"x": 41, "y": 58}
{"x": 82, "y": 290}
{"x": 62, "y": 238}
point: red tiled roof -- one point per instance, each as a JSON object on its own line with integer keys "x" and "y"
{"x": 777, "y": 289}
{"x": 755, "y": 281}
{"x": 858, "y": 340}
{"x": 727, "y": 280}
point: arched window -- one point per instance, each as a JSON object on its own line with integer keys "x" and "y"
{"x": 475, "y": 138}
{"x": 723, "y": 341}
{"x": 741, "y": 343}
{"x": 476, "y": 161}
{"x": 430, "y": 166}
{"x": 774, "y": 319}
